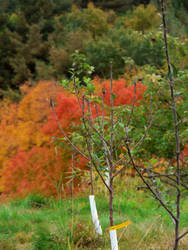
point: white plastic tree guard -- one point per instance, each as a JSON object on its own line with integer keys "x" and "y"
{"x": 107, "y": 178}
{"x": 94, "y": 214}
{"x": 113, "y": 239}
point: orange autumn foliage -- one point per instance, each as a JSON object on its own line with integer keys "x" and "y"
{"x": 21, "y": 124}
{"x": 28, "y": 160}
{"x": 8, "y": 134}
{"x": 33, "y": 111}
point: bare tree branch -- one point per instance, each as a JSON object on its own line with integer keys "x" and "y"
{"x": 63, "y": 132}
{"x": 176, "y": 130}
{"x": 181, "y": 236}
{"x": 148, "y": 186}
{"x": 133, "y": 105}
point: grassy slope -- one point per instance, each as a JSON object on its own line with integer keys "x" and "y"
{"x": 36, "y": 223}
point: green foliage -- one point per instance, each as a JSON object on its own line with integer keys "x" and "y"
{"x": 44, "y": 239}
{"x": 143, "y": 19}
{"x": 144, "y": 49}
{"x": 8, "y": 6}
{"x": 160, "y": 139}
{"x": 108, "y": 51}
{"x": 23, "y": 62}
{"x": 34, "y": 10}
{"x": 122, "y": 44}
{"x": 37, "y": 37}
{"x": 80, "y": 73}
{"x": 13, "y": 95}
{"x": 6, "y": 53}
{"x": 95, "y": 21}
{"x": 60, "y": 62}
{"x": 117, "y": 5}
{"x": 60, "y": 6}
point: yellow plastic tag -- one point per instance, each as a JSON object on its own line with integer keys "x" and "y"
{"x": 124, "y": 224}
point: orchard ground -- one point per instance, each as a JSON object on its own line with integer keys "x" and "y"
{"x": 45, "y": 223}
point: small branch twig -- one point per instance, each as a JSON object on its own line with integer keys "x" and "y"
{"x": 181, "y": 236}
{"x": 88, "y": 144}
{"x": 148, "y": 186}
{"x": 140, "y": 141}
{"x": 133, "y": 105}
{"x": 63, "y": 132}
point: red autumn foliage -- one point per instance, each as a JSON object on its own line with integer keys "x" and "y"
{"x": 39, "y": 170}
{"x": 124, "y": 93}
{"x": 67, "y": 111}
{"x": 33, "y": 171}
{"x": 184, "y": 155}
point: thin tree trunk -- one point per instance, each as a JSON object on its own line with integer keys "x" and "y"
{"x": 111, "y": 147}
{"x": 91, "y": 179}
{"x": 176, "y": 132}
{"x": 111, "y": 200}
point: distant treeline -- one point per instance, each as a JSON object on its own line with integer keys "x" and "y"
{"x": 38, "y": 36}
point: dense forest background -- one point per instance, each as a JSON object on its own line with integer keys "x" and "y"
{"x": 38, "y": 36}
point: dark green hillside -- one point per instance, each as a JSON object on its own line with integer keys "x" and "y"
{"x": 38, "y": 36}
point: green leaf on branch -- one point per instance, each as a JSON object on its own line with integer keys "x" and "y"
{"x": 113, "y": 96}
{"x": 90, "y": 88}
{"x": 86, "y": 80}
{"x": 64, "y": 83}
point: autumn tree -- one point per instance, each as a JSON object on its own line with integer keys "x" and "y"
{"x": 21, "y": 124}
{"x": 41, "y": 170}
{"x": 28, "y": 159}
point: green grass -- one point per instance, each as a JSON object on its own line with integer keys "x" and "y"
{"x": 39, "y": 223}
